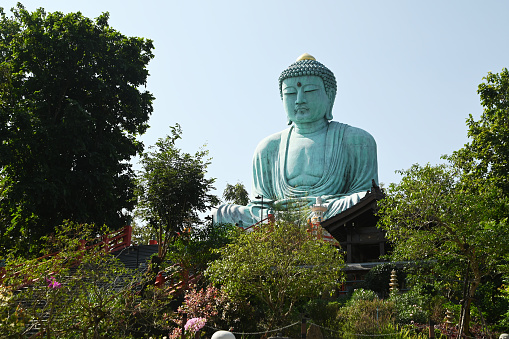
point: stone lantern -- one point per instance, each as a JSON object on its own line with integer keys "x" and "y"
{"x": 449, "y": 318}
{"x": 394, "y": 282}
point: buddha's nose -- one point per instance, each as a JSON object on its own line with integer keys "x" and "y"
{"x": 300, "y": 98}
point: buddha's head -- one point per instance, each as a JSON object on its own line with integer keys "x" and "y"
{"x": 310, "y": 77}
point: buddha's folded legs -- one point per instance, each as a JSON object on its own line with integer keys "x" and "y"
{"x": 235, "y": 214}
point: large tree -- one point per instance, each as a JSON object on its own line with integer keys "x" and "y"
{"x": 236, "y": 194}
{"x": 70, "y": 110}
{"x": 173, "y": 188}
{"x": 486, "y": 155}
{"x": 455, "y": 215}
{"x": 277, "y": 266}
{"x": 437, "y": 216}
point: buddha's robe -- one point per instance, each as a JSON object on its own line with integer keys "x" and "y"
{"x": 349, "y": 168}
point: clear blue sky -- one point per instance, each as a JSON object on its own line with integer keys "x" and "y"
{"x": 407, "y": 71}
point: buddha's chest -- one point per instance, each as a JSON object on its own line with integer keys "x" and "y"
{"x": 305, "y": 160}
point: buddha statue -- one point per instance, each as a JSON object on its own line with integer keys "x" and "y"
{"x": 314, "y": 157}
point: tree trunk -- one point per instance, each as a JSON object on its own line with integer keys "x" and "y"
{"x": 468, "y": 302}
{"x": 472, "y": 287}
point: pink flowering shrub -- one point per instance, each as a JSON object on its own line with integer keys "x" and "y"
{"x": 204, "y": 303}
{"x": 192, "y": 326}
{"x": 176, "y": 333}
{"x": 195, "y": 324}
{"x": 217, "y": 308}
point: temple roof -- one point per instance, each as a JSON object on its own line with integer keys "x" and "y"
{"x": 361, "y": 214}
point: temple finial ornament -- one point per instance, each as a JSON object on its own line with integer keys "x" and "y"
{"x": 305, "y": 56}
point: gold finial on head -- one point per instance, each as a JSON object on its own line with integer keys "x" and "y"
{"x": 305, "y": 56}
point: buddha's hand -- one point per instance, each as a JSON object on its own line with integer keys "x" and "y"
{"x": 330, "y": 198}
{"x": 294, "y": 203}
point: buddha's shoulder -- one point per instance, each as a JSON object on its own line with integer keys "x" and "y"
{"x": 270, "y": 143}
{"x": 354, "y": 135}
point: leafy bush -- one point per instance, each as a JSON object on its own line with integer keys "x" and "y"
{"x": 378, "y": 278}
{"x": 492, "y": 298}
{"x": 361, "y": 294}
{"x": 279, "y": 266}
{"x": 218, "y": 308}
{"x": 410, "y": 307}
{"x": 323, "y": 312}
{"x": 419, "y": 331}
{"x": 78, "y": 293}
{"x": 366, "y": 314}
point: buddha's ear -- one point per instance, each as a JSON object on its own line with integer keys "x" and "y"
{"x": 289, "y": 122}
{"x": 328, "y": 115}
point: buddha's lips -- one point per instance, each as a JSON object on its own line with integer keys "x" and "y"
{"x": 300, "y": 109}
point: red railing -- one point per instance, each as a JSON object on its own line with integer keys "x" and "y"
{"x": 177, "y": 285}
{"x": 110, "y": 242}
{"x": 117, "y": 240}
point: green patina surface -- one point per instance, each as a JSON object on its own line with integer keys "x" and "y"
{"x": 314, "y": 157}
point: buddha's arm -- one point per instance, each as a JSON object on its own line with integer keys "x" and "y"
{"x": 362, "y": 161}
{"x": 264, "y": 169}
{"x": 362, "y": 168}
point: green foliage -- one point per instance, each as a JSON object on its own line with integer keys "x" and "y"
{"x": 364, "y": 314}
{"x": 78, "y": 293}
{"x": 486, "y": 156}
{"x": 361, "y": 294}
{"x": 294, "y": 211}
{"x": 434, "y": 214}
{"x": 236, "y": 194}
{"x": 378, "y": 278}
{"x": 452, "y": 218}
{"x": 278, "y": 265}
{"x": 367, "y": 315}
{"x": 416, "y": 332}
{"x": 490, "y": 298}
{"x": 323, "y": 312}
{"x": 13, "y": 317}
{"x": 172, "y": 188}
{"x": 142, "y": 234}
{"x": 494, "y": 299}
{"x": 70, "y": 110}
{"x": 410, "y": 306}
{"x": 195, "y": 250}
{"x": 219, "y": 309}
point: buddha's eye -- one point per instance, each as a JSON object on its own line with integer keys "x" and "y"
{"x": 311, "y": 88}
{"x": 289, "y": 91}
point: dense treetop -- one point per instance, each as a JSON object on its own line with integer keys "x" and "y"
{"x": 71, "y": 107}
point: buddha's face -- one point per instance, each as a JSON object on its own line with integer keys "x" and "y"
{"x": 305, "y": 99}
